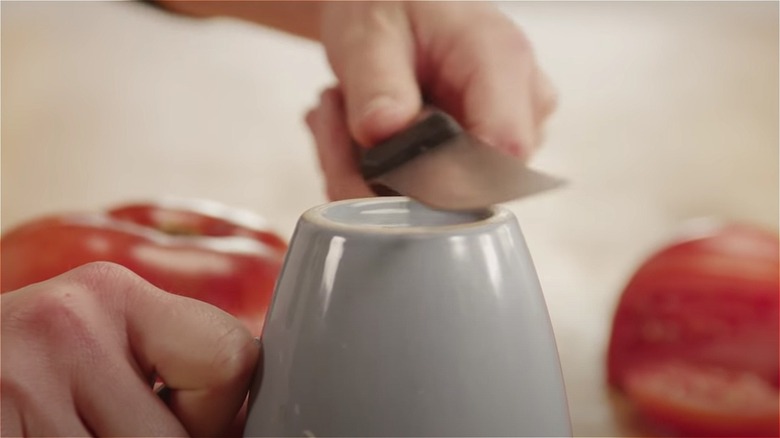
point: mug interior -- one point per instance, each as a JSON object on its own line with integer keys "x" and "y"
{"x": 397, "y": 213}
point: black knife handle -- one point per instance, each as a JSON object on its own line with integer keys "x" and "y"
{"x": 433, "y": 128}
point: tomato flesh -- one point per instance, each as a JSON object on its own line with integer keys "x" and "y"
{"x": 695, "y": 342}
{"x": 711, "y": 301}
{"x": 695, "y": 400}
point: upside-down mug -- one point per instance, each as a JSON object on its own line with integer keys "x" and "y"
{"x": 392, "y": 319}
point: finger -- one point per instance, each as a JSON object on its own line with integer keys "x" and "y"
{"x": 11, "y": 422}
{"x": 545, "y": 103}
{"x": 203, "y": 354}
{"x": 337, "y": 155}
{"x": 108, "y": 415}
{"x": 26, "y": 413}
{"x": 206, "y": 357}
{"x": 545, "y": 97}
{"x": 375, "y": 63}
{"x": 311, "y": 118}
{"x": 499, "y": 104}
{"x": 55, "y": 423}
{"x": 239, "y": 422}
{"x": 41, "y": 338}
{"x": 487, "y": 79}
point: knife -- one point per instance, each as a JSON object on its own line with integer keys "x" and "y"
{"x": 437, "y": 163}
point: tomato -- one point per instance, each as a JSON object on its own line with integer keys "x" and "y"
{"x": 712, "y": 299}
{"x": 705, "y": 401}
{"x": 223, "y": 256}
{"x": 199, "y": 218}
{"x": 703, "y": 303}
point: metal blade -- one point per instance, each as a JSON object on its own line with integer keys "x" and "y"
{"x": 465, "y": 174}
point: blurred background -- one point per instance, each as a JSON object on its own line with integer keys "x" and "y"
{"x": 668, "y": 113}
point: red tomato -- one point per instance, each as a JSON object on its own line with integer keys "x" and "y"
{"x": 710, "y": 300}
{"x": 225, "y": 257}
{"x": 705, "y": 401}
{"x": 703, "y": 303}
{"x": 199, "y": 218}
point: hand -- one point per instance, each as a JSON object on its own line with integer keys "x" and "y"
{"x": 80, "y": 353}
{"x": 464, "y": 57}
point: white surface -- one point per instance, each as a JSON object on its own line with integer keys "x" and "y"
{"x": 669, "y": 111}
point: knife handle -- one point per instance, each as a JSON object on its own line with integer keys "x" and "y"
{"x": 433, "y": 128}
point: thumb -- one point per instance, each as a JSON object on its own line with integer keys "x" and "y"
{"x": 371, "y": 50}
{"x": 205, "y": 357}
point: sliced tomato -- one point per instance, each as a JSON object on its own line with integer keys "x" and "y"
{"x": 692, "y": 400}
{"x": 713, "y": 299}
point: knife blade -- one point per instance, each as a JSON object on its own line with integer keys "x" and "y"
{"x": 437, "y": 163}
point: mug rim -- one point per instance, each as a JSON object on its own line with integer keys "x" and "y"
{"x": 489, "y": 216}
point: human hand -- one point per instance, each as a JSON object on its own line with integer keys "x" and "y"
{"x": 80, "y": 353}
{"x": 467, "y": 58}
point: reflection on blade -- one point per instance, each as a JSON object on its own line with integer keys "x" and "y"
{"x": 464, "y": 174}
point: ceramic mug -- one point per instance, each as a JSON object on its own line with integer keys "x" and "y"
{"x": 392, "y": 319}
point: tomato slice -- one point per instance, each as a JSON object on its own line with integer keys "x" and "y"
{"x": 694, "y": 400}
{"x": 711, "y": 300}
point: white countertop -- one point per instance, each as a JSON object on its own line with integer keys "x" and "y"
{"x": 669, "y": 111}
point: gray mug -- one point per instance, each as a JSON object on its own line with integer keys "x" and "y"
{"x": 392, "y": 319}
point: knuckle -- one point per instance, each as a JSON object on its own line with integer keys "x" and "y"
{"x": 503, "y": 33}
{"x": 517, "y": 39}
{"x": 551, "y": 102}
{"x": 69, "y": 312}
{"x": 546, "y": 95}
{"x": 373, "y": 31}
{"x": 109, "y": 282}
{"x": 59, "y": 316}
{"x": 516, "y": 43}
{"x": 509, "y": 32}
{"x": 95, "y": 274}
{"x": 374, "y": 22}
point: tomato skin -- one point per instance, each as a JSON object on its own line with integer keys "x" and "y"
{"x": 690, "y": 400}
{"x": 234, "y": 269}
{"x": 198, "y": 217}
{"x": 696, "y": 335}
{"x": 710, "y": 300}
